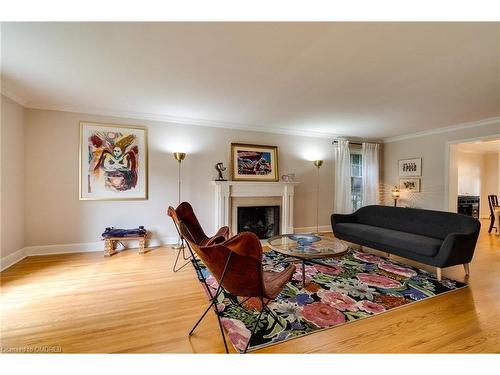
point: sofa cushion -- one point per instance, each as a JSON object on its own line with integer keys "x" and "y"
{"x": 414, "y": 243}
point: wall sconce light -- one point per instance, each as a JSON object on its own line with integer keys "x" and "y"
{"x": 395, "y": 195}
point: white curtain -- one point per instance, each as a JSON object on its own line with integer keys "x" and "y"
{"x": 370, "y": 166}
{"x": 343, "y": 200}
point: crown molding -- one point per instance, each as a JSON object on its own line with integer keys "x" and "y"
{"x": 234, "y": 126}
{"x": 13, "y": 96}
{"x": 465, "y": 125}
{"x": 180, "y": 120}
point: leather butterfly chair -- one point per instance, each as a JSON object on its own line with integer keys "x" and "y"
{"x": 186, "y": 213}
{"x": 236, "y": 264}
{"x": 493, "y": 203}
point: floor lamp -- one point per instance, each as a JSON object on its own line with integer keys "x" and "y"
{"x": 317, "y": 164}
{"x": 179, "y": 156}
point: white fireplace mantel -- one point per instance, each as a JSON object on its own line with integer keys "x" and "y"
{"x": 226, "y": 190}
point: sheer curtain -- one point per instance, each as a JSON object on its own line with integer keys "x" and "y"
{"x": 370, "y": 165}
{"x": 342, "y": 199}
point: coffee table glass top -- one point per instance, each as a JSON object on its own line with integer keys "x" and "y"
{"x": 307, "y": 246}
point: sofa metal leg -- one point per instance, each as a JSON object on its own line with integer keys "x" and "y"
{"x": 467, "y": 269}
{"x": 439, "y": 273}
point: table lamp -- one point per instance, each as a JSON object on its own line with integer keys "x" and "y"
{"x": 395, "y": 195}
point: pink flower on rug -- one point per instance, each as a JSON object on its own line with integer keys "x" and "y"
{"x": 397, "y": 270}
{"x": 337, "y": 300}
{"x": 212, "y": 282}
{"x": 322, "y": 315}
{"x": 238, "y": 333}
{"x": 378, "y": 281}
{"x": 329, "y": 270}
{"x": 370, "y": 307}
{"x": 367, "y": 258}
{"x": 310, "y": 271}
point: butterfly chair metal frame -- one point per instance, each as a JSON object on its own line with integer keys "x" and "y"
{"x": 179, "y": 251}
{"x": 185, "y": 212}
{"x": 285, "y": 275}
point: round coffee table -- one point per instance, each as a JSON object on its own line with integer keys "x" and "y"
{"x": 307, "y": 247}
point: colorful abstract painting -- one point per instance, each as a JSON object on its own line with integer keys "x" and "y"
{"x": 254, "y": 162}
{"x": 113, "y": 162}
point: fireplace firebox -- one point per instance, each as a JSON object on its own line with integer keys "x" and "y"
{"x": 264, "y": 221}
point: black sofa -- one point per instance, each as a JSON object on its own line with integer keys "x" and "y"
{"x": 437, "y": 238}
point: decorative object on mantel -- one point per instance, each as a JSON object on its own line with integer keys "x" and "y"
{"x": 113, "y": 162}
{"x": 179, "y": 156}
{"x": 219, "y": 167}
{"x": 395, "y": 195}
{"x": 254, "y": 162}
{"x": 317, "y": 164}
{"x": 290, "y": 177}
{"x": 410, "y": 167}
{"x": 111, "y": 236}
{"x": 410, "y": 184}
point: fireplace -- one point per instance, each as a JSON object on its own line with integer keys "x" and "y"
{"x": 264, "y": 221}
{"x": 229, "y": 195}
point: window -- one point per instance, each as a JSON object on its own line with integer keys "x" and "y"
{"x": 356, "y": 180}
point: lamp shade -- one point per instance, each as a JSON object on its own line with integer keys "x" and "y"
{"x": 318, "y": 163}
{"x": 179, "y": 156}
{"x": 395, "y": 192}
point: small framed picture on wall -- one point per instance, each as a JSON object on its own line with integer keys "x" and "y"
{"x": 410, "y": 167}
{"x": 409, "y": 184}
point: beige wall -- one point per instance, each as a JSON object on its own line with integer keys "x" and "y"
{"x": 470, "y": 173}
{"x": 433, "y": 150}
{"x": 490, "y": 181}
{"x": 55, "y": 215}
{"x": 12, "y": 177}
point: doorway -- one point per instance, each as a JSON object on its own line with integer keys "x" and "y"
{"x": 473, "y": 174}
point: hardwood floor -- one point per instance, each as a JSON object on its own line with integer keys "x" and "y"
{"x": 134, "y": 303}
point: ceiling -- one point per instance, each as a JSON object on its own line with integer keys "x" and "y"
{"x": 371, "y": 80}
{"x": 480, "y": 147}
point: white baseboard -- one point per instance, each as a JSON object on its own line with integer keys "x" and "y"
{"x": 12, "y": 259}
{"x": 321, "y": 228}
{"x": 19, "y": 255}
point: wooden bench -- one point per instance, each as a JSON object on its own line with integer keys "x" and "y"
{"x": 110, "y": 242}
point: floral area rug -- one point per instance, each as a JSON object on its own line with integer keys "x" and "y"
{"x": 340, "y": 290}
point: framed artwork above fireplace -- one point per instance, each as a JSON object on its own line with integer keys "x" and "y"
{"x": 254, "y": 162}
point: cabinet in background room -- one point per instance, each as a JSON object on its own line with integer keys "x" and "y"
{"x": 468, "y": 205}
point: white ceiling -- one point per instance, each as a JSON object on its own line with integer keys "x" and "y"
{"x": 480, "y": 147}
{"x": 372, "y": 80}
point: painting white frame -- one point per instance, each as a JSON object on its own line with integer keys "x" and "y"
{"x": 140, "y": 192}
{"x": 410, "y": 167}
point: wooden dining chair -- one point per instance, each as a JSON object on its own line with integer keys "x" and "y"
{"x": 493, "y": 203}
{"x": 236, "y": 264}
